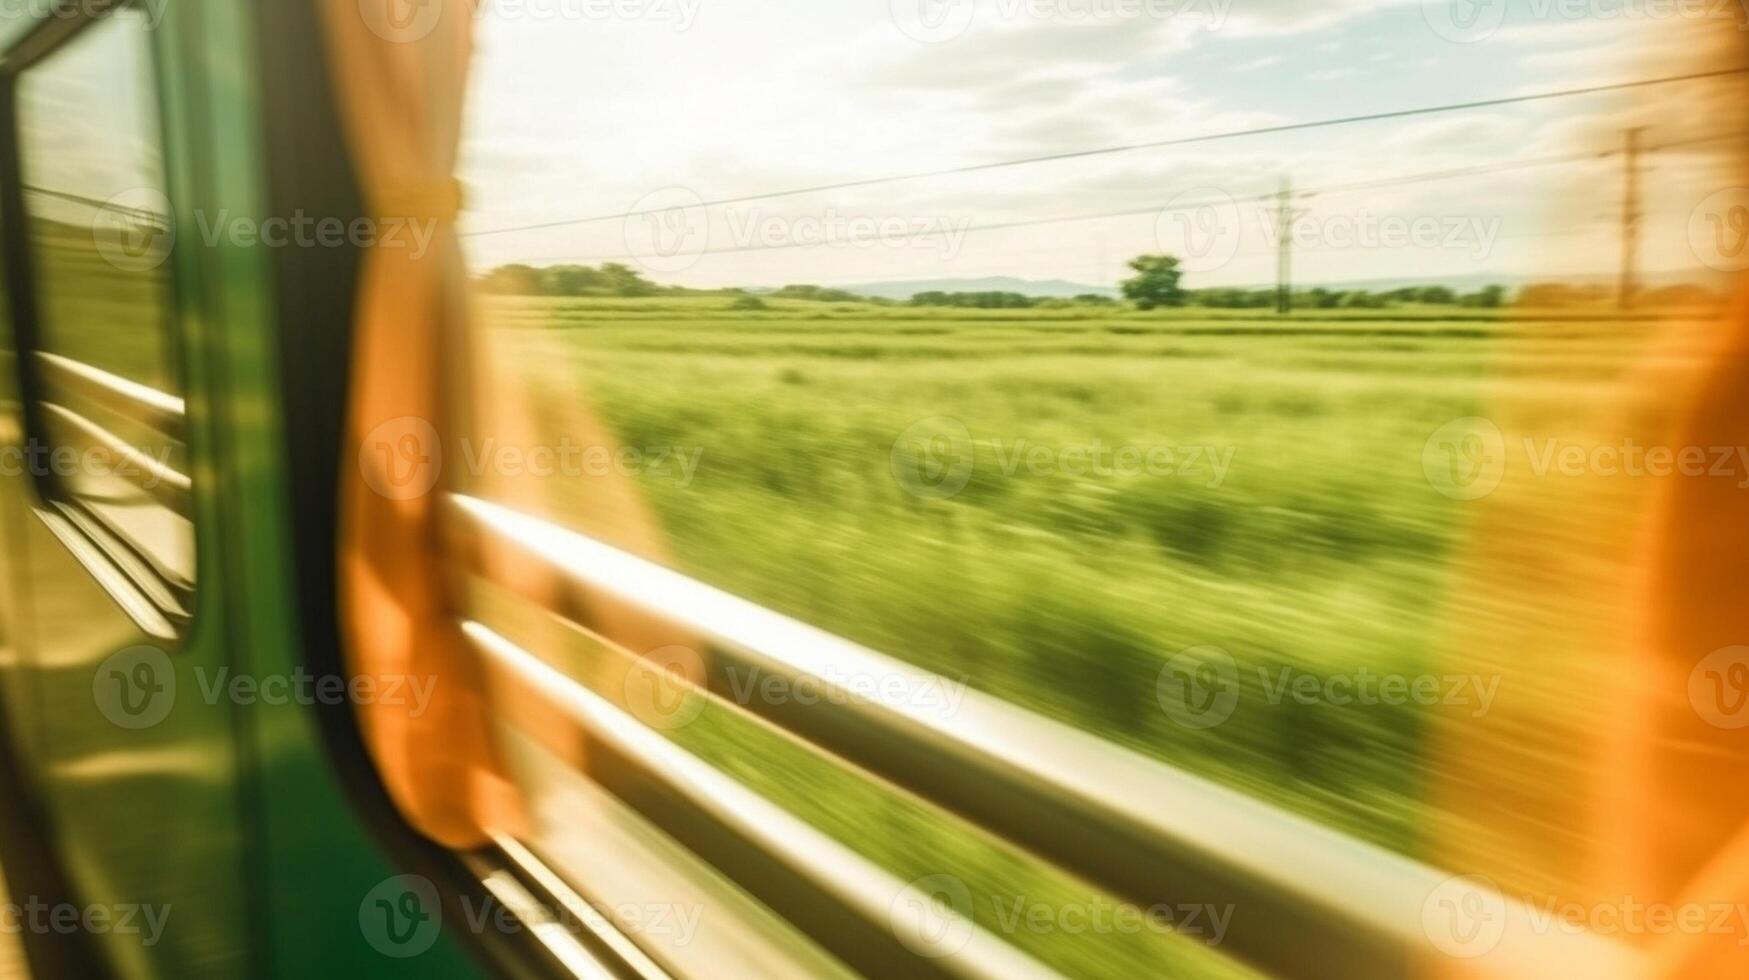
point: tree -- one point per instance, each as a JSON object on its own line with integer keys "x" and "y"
{"x": 513, "y": 280}
{"x": 992, "y": 300}
{"x": 1488, "y": 298}
{"x": 623, "y": 281}
{"x": 816, "y": 294}
{"x": 1228, "y": 298}
{"x": 1548, "y": 294}
{"x": 570, "y": 280}
{"x": 1155, "y": 282}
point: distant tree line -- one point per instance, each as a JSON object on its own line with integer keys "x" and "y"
{"x": 611, "y": 279}
{"x": 995, "y": 300}
{"x": 1319, "y": 298}
{"x": 1156, "y": 283}
{"x": 991, "y": 300}
{"x": 1555, "y": 295}
{"x": 1157, "y": 279}
{"x": 818, "y": 294}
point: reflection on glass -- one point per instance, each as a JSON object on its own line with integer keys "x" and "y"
{"x": 94, "y": 186}
{"x": 100, "y": 234}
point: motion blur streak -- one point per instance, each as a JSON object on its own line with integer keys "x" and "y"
{"x": 1606, "y": 787}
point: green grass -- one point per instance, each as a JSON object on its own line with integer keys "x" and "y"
{"x": 1324, "y": 549}
{"x": 111, "y": 318}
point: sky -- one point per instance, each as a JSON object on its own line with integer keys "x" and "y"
{"x": 596, "y": 108}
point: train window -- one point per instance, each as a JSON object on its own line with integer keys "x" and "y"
{"x": 1161, "y": 381}
{"x": 107, "y": 414}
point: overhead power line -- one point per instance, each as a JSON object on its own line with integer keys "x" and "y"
{"x": 1132, "y": 147}
{"x": 1328, "y": 190}
{"x": 95, "y": 204}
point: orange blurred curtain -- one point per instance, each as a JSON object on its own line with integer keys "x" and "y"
{"x": 400, "y": 73}
{"x": 1685, "y": 773}
{"x": 1678, "y": 830}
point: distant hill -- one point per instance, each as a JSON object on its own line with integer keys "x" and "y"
{"x": 1050, "y": 288}
{"x": 1060, "y": 288}
{"x": 1063, "y": 289}
{"x": 1471, "y": 282}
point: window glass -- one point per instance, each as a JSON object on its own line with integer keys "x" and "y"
{"x": 94, "y": 186}
{"x": 100, "y": 233}
{"x": 954, "y": 337}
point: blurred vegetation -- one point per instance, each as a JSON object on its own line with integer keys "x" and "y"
{"x": 1155, "y": 285}
{"x": 1322, "y": 549}
{"x": 91, "y": 310}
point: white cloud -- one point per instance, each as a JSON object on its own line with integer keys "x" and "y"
{"x": 586, "y": 118}
{"x": 1258, "y": 64}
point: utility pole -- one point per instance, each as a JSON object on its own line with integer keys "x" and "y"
{"x": 1630, "y": 219}
{"x": 1286, "y": 215}
{"x": 1284, "y": 247}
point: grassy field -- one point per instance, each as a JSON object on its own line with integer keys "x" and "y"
{"x": 1304, "y": 536}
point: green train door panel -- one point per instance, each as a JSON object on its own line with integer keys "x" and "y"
{"x": 155, "y": 612}
{"x": 114, "y": 525}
